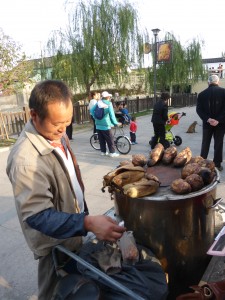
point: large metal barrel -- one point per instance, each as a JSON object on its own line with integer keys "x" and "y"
{"x": 178, "y": 228}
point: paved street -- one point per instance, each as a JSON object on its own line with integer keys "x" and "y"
{"x": 18, "y": 270}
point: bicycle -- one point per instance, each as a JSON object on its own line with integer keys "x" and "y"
{"x": 122, "y": 142}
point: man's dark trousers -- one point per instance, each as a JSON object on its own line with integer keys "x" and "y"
{"x": 217, "y": 132}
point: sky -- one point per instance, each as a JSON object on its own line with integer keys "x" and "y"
{"x": 30, "y": 22}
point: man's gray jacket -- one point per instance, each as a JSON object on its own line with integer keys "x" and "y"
{"x": 40, "y": 181}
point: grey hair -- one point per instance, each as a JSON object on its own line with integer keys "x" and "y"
{"x": 213, "y": 79}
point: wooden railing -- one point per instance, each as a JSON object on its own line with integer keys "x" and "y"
{"x": 12, "y": 123}
{"x": 82, "y": 115}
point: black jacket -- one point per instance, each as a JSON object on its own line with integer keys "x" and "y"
{"x": 211, "y": 104}
{"x": 160, "y": 112}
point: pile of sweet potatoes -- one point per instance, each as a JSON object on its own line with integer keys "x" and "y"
{"x": 131, "y": 178}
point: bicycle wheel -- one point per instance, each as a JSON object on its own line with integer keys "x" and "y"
{"x": 177, "y": 140}
{"x": 123, "y": 144}
{"x": 94, "y": 141}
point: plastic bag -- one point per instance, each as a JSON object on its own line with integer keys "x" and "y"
{"x": 128, "y": 248}
{"x": 146, "y": 278}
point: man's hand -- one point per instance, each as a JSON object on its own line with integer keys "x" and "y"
{"x": 104, "y": 227}
{"x": 119, "y": 124}
{"x": 212, "y": 122}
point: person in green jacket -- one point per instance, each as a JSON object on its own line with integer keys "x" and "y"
{"x": 104, "y": 125}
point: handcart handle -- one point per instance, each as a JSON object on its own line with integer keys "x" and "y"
{"x": 98, "y": 272}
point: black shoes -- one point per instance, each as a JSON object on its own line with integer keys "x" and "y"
{"x": 219, "y": 167}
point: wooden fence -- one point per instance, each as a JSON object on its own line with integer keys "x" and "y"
{"x": 82, "y": 115}
{"x": 12, "y": 123}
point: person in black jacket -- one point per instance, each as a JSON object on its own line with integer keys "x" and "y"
{"x": 69, "y": 130}
{"x": 211, "y": 109}
{"x": 159, "y": 118}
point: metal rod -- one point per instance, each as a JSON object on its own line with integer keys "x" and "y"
{"x": 98, "y": 272}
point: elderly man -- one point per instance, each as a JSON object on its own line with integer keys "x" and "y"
{"x": 47, "y": 184}
{"x": 211, "y": 109}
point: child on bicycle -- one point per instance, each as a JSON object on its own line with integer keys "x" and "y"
{"x": 125, "y": 119}
{"x": 133, "y": 130}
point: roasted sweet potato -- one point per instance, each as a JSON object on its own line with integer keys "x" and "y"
{"x": 207, "y": 175}
{"x": 195, "y": 181}
{"x": 139, "y": 182}
{"x": 188, "y": 153}
{"x": 156, "y": 155}
{"x": 182, "y": 157}
{"x": 126, "y": 163}
{"x": 180, "y": 186}
{"x": 150, "y": 176}
{"x": 207, "y": 163}
{"x": 141, "y": 189}
{"x": 139, "y": 160}
{"x": 107, "y": 179}
{"x": 190, "y": 168}
{"x": 169, "y": 155}
{"x": 196, "y": 159}
{"x": 127, "y": 177}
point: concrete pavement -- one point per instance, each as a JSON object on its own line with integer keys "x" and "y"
{"x": 18, "y": 269}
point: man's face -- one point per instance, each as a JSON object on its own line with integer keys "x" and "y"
{"x": 54, "y": 125}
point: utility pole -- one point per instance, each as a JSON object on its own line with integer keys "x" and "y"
{"x": 155, "y": 32}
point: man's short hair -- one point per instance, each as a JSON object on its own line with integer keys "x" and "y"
{"x": 213, "y": 79}
{"x": 48, "y": 91}
{"x": 165, "y": 96}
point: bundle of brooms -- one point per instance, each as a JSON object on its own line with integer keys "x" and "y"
{"x": 132, "y": 179}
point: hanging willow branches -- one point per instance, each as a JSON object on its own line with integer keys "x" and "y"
{"x": 100, "y": 42}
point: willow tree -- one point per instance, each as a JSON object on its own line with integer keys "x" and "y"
{"x": 100, "y": 42}
{"x": 15, "y": 71}
{"x": 183, "y": 70}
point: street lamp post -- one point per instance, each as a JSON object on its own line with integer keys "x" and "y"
{"x": 155, "y": 32}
